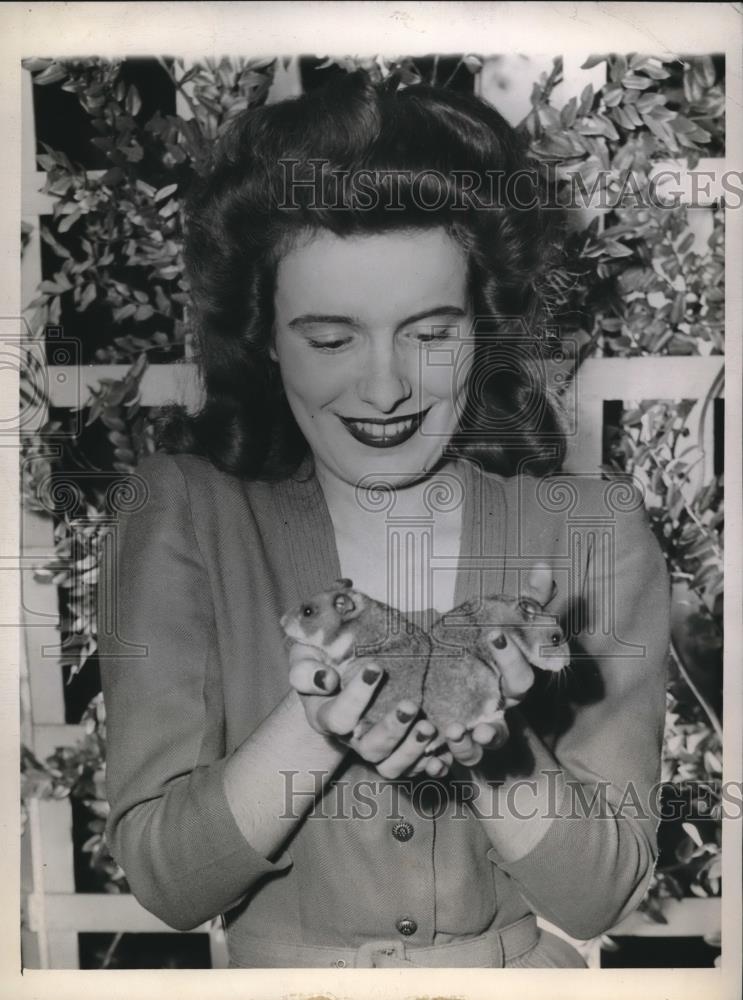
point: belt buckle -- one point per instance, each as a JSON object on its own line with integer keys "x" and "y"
{"x": 381, "y": 955}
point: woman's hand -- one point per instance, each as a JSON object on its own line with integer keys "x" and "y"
{"x": 468, "y": 745}
{"x": 397, "y": 745}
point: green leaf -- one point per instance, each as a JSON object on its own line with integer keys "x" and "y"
{"x": 133, "y": 102}
{"x": 692, "y": 832}
{"x": 60, "y": 250}
{"x": 635, "y": 82}
{"x": 622, "y": 118}
{"x": 590, "y": 125}
{"x": 119, "y": 439}
{"x": 35, "y": 65}
{"x": 706, "y": 70}
{"x": 649, "y": 101}
{"x": 569, "y": 112}
{"x": 124, "y": 312}
{"x": 684, "y": 850}
{"x": 88, "y": 296}
{"x": 618, "y": 68}
{"x": 616, "y": 249}
{"x": 586, "y": 100}
{"x": 68, "y": 221}
{"x": 685, "y": 244}
{"x": 52, "y": 74}
{"x": 169, "y": 272}
{"x": 593, "y": 61}
{"x": 548, "y": 117}
{"x": 662, "y": 132}
{"x": 165, "y": 192}
{"x": 612, "y": 95}
{"x": 650, "y": 65}
{"x": 170, "y": 208}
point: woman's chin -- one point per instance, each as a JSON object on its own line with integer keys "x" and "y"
{"x": 403, "y": 465}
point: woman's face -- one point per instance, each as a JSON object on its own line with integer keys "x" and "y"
{"x": 372, "y": 340}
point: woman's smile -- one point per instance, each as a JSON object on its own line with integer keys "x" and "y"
{"x": 378, "y": 433}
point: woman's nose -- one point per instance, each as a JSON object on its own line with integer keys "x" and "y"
{"x": 383, "y": 383}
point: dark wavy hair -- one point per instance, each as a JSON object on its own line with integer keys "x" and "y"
{"x": 241, "y": 218}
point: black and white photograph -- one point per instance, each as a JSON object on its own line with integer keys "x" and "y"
{"x": 368, "y": 408}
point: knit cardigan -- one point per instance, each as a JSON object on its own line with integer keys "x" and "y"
{"x": 192, "y": 585}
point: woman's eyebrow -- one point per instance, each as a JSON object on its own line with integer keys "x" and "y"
{"x": 431, "y": 313}
{"x": 314, "y": 319}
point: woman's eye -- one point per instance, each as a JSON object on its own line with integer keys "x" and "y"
{"x": 432, "y": 334}
{"x": 328, "y": 345}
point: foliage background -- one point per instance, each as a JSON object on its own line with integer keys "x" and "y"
{"x": 634, "y": 283}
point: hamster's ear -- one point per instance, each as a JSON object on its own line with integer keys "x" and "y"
{"x": 359, "y": 603}
{"x": 345, "y": 606}
{"x": 343, "y": 582}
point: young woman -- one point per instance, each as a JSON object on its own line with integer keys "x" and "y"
{"x": 375, "y": 409}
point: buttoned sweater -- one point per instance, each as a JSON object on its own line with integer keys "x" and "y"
{"x": 194, "y": 578}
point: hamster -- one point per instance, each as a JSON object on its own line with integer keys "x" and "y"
{"x": 463, "y": 682}
{"x": 352, "y": 629}
{"x": 453, "y": 673}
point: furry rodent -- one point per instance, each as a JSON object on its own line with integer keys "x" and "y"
{"x": 452, "y": 673}
{"x": 352, "y": 629}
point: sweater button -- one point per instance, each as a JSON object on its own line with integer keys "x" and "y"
{"x": 403, "y": 831}
{"x": 406, "y": 926}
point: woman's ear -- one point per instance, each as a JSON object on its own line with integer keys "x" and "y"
{"x": 272, "y": 347}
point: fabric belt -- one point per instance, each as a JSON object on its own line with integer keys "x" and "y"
{"x": 492, "y": 950}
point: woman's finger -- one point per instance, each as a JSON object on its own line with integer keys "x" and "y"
{"x": 516, "y": 672}
{"x": 437, "y": 767}
{"x": 462, "y": 746}
{"x": 340, "y": 715}
{"x": 313, "y": 676}
{"x": 380, "y": 740}
{"x": 540, "y": 583}
{"x": 408, "y": 753}
{"x": 491, "y": 734}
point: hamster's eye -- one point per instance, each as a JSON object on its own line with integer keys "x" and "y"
{"x": 307, "y": 610}
{"x": 556, "y": 638}
{"x": 530, "y": 609}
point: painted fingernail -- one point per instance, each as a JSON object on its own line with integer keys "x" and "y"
{"x": 423, "y": 736}
{"x": 370, "y": 675}
{"x": 500, "y": 641}
{"x": 404, "y": 716}
{"x": 319, "y": 679}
